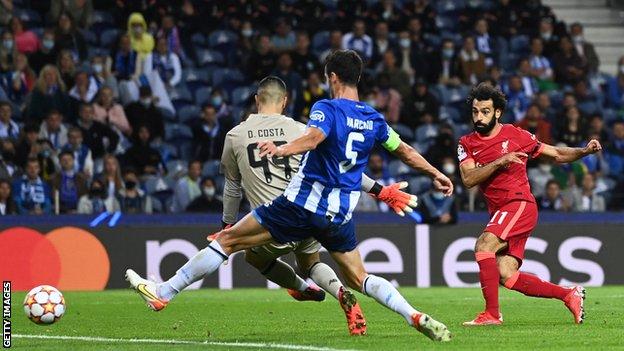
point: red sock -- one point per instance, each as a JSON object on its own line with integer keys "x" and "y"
{"x": 531, "y": 285}
{"x": 489, "y": 278}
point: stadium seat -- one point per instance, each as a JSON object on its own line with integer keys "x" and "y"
{"x": 320, "y": 41}
{"x": 196, "y": 75}
{"x": 176, "y": 166}
{"x": 448, "y": 113}
{"x": 420, "y": 184}
{"x": 108, "y": 38}
{"x": 449, "y": 7}
{"x": 447, "y": 23}
{"x": 185, "y": 149}
{"x": 176, "y": 131}
{"x": 236, "y": 112}
{"x": 404, "y": 131}
{"x": 180, "y": 92}
{"x": 90, "y": 37}
{"x": 221, "y": 38}
{"x": 397, "y": 168}
{"x": 589, "y": 107}
{"x": 30, "y": 18}
{"x": 220, "y": 76}
{"x": 199, "y": 39}
{"x": 519, "y": 44}
{"x": 167, "y": 114}
{"x": 103, "y": 17}
{"x": 241, "y": 94}
{"x": 188, "y": 113}
{"x": 202, "y": 95}
{"x": 211, "y": 168}
{"x": 209, "y": 57}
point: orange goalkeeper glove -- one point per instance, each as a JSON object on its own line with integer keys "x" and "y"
{"x": 398, "y": 200}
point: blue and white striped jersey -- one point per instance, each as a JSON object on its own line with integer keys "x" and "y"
{"x": 329, "y": 179}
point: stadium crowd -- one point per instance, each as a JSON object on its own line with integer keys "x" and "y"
{"x": 124, "y": 105}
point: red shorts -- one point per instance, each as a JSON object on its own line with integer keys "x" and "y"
{"x": 514, "y": 223}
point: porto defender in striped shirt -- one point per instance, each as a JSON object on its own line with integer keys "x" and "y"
{"x": 494, "y": 157}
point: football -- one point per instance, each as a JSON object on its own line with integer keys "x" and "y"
{"x": 44, "y": 304}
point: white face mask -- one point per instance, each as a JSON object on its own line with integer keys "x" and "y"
{"x": 405, "y": 43}
{"x": 97, "y": 67}
{"x": 448, "y": 168}
{"x": 545, "y": 167}
{"x": 437, "y": 195}
{"x": 209, "y": 192}
{"x": 146, "y": 101}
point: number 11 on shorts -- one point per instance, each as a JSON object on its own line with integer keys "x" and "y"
{"x": 501, "y": 218}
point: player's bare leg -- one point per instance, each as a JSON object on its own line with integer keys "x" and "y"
{"x": 386, "y": 294}
{"x": 486, "y": 248}
{"x": 244, "y": 234}
{"x": 531, "y": 285}
{"x": 282, "y": 274}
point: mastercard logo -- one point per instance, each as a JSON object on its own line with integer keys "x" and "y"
{"x": 68, "y": 258}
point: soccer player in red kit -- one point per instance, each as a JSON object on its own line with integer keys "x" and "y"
{"x": 494, "y": 157}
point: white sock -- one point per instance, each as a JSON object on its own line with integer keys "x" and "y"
{"x": 326, "y": 278}
{"x": 282, "y": 274}
{"x": 386, "y": 294}
{"x": 204, "y": 262}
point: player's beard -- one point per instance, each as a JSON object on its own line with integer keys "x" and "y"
{"x": 484, "y": 129}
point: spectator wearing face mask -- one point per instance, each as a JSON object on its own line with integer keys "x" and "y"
{"x": 208, "y": 201}
{"x": 46, "y": 55}
{"x": 8, "y": 52}
{"x": 141, "y": 41}
{"x": 584, "y": 48}
{"x": 133, "y": 200}
{"x": 101, "y": 72}
{"x": 444, "y": 66}
{"x": 145, "y": 113}
{"x": 7, "y": 205}
{"x": 30, "y": 193}
{"x": 71, "y": 185}
{"x": 97, "y": 201}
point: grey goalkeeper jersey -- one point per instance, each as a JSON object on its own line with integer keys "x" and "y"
{"x": 263, "y": 179}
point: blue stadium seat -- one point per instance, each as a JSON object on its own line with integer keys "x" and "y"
{"x": 222, "y": 75}
{"x": 167, "y": 114}
{"x": 188, "y": 113}
{"x": 211, "y": 168}
{"x": 589, "y": 107}
{"x": 404, "y": 131}
{"x": 209, "y": 57}
{"x": 31, "y": 18}
{"x": 199, "y": 39}
{"x": 449, "y": 113}
{"x": 397, "y": 168}
{"x": 236, "y": 112}
{"x": 109, "y": 37}
{"x": 202, "y": 95}
{"x": 180, "y": 92}
{"x": 320, "y": 41}
{"x": 177, "y": 131}
{"x": 103, "y": 17}
{"x": 176, "y": 166}
{"x": 90, "y": 37}
{"x": 195, "y": 75}
{"x": 221, "y": 38}
{"x": 448, "y": 23}
{"x": 519, "y": 44}
{"x": 185, "y": 149}
{"x": 449, "y": 7}
{"x": 419, "y": 185}
{"x": 241, "y": 94}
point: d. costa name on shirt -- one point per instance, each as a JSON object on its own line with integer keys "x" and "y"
{"x": 266, "y": 133}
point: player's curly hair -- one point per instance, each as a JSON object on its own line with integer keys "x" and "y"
{"x": 485, "y": 91}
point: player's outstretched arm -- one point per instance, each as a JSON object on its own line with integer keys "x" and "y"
{"x": 570, "y": 154}
{"x": 309, "y": 140}
{"x": 472, "y": 175}
{"x": 412, "y": 158}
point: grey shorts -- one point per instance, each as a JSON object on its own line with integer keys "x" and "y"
{"x": 275, "y": 250}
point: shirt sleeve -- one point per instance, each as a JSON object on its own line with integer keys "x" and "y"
{"x": 229, "y": 166}
{"x": 387, "y": 137}
{"x": 529, "y": 143}
{"x": 322, "y": 116}
{"x": 463, "y": 152}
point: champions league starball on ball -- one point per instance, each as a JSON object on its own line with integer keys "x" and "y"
{"x": 44, "y": 305}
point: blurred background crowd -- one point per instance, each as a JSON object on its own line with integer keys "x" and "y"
{"x": 124, "y": 105}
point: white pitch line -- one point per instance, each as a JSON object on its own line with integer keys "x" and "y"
{"x": 257, "y": 345}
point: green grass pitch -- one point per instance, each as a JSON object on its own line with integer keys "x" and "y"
{"x": 250, "y": 319}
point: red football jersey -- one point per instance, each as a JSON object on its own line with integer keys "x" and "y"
{"x": 506, "y": 184}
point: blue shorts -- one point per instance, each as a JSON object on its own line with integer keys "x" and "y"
{"x": 289, "y": 222}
